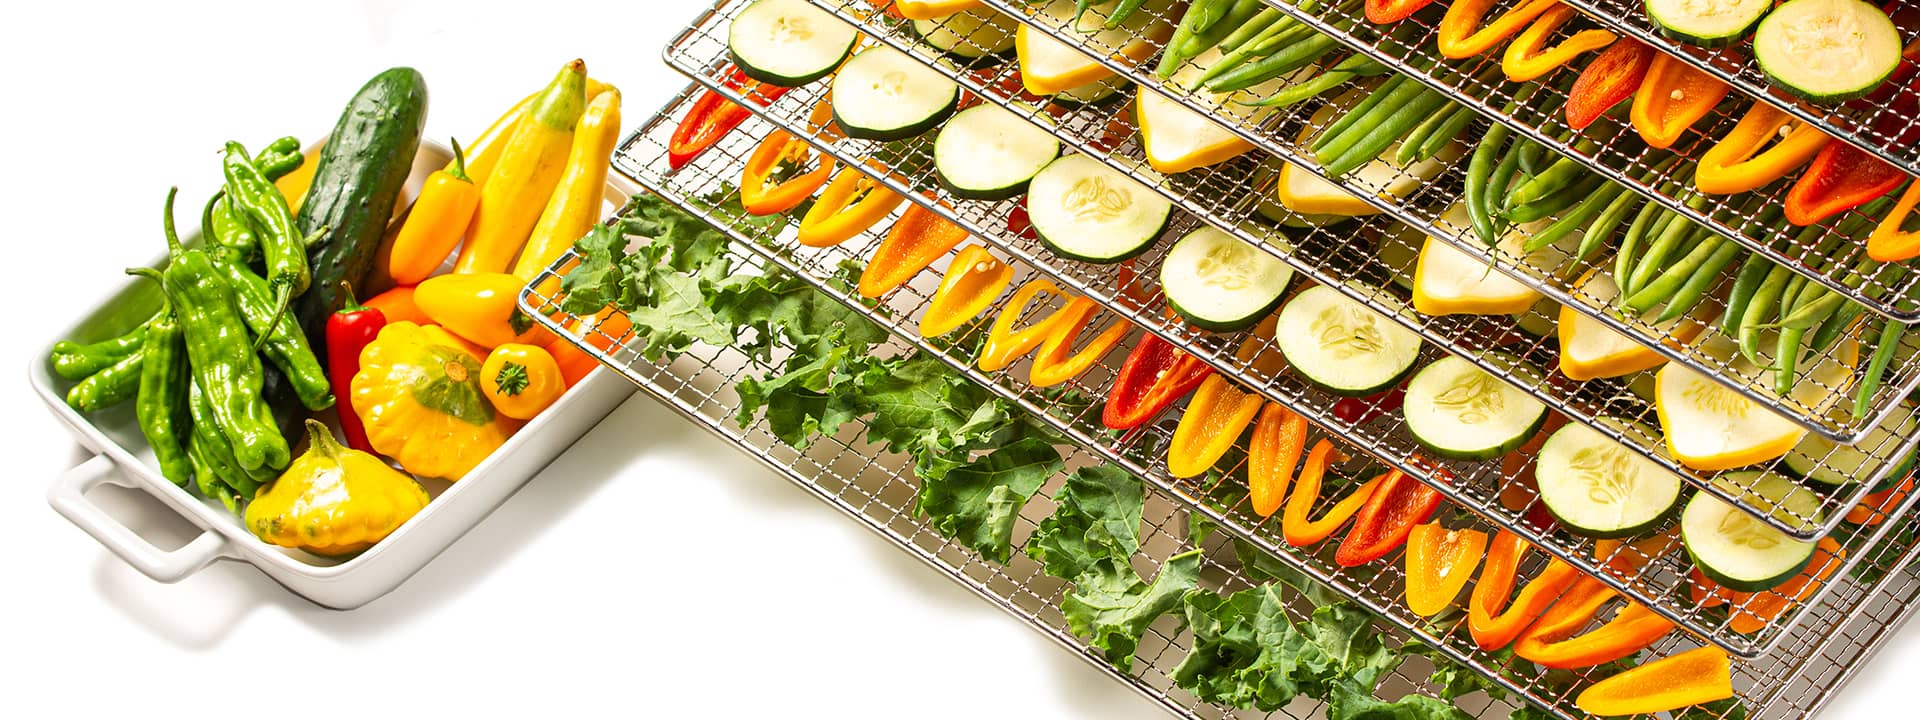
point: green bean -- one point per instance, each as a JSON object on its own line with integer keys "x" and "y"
{"x": 1497, "y": 182}
{"x": 1552, "y": 204}
{"x": 1764, "y": 307}
{"x": 1563, "y": 173}
{"x": 1447, "y": 133}
{"x": 1127, "y": 8}
{"x": 1657, "y": 287}
{"x": 1596, "y": 234}
{"x": 1410, "y": 145}
{"x": 1884, "y": 348}
{"x": 1479, "y": 171}
{"x": 1383, "y": 134}
{"x": 1361, "y": 110}
{"x": 1746, "y": 285}
{"x": 1643, "y": 221}
{"x": 1293, "y": 57}
{"x": 1703, "y": 280}
{"x": 1531, "y": 154}
{"x": 1584, "y": 211}
{"x": 1834, "y": 327}
{"x": 1671, "y": 237}
{"x": 1331, "y": 78}
{"x": 1248, "y": 30}
{"x": 1786, "y": 358}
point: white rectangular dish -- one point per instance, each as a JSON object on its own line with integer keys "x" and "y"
{"x": 121, "y": 457}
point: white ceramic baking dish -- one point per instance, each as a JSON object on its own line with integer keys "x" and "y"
{"x": 121, "y": 457}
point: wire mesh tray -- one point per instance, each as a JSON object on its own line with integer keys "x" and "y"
{"x": 1661, "y": 584}
{"x": 700, "y": 53}
{"x": 1618, "y": 154}
{"x": 868, "y": 483}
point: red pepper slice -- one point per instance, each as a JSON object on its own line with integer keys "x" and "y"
{"x": 917, "y": 239}
{"x": 1383, "y": 12}
{"x": 1612, "y": 77}
{"x": 1399, "y": 503}
{"x": 1155, "y": 375}
{"x": 1842, "y": 177}
{"x": 713, "y": 116}
{"x": 776, "y": 178}
{"x": 348, "y": 331}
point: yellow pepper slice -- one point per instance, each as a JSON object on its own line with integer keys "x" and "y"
{"x": 851, "y": 203}
{"x": 1891, "y": 241}
{"x": 973, "y": 280}
{"x": 1215, "y": 417}
{"x": 1694, "y": 677}
{"x": 1004, "y": 344}
{"x": 1053, "y": 364}
{"x": 1738, "y": 164}
{"x": 1461, "y": 34}
{"x": 1528, "y": 57}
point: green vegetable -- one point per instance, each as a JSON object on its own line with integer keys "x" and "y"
{"x": 162, "y": 401}
{"x": 282, "y": 342}
{"x": 977, "y": 503}
{"x": 282, "y": 247}
{"x": 1112, "y": 606}
{"x": 1884, "y": 348}
{"x": 112, "y": 385}
{"x": 1098, "y": 518}
{"x": 207, "y": 475}
{"x": 73, "y": 361}
{"x": 1480, "y": 168}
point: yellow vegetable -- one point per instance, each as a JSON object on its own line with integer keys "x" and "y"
{"x": 516, "y": 190}
{"x": 1048, "y": 66}
{"x": 577, "y": 202}
{"x": 933, "y": 9}
{"x": 480, "y": 308}
{"x": 521, "y": 380}
{"x": 483, "y": 153}
{"x": 418, "y": 393}
{"x": 1177, "y": 139}
{"x": 333, "y": 500}
{"x": 1589, "y": 349}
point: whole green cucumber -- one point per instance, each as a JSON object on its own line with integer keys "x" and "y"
{"x": 355, "y": 185}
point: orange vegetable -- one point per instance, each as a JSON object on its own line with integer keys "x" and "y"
{"x": 1213, "y": 421}
{"x": 1493, "y": 621}
{"x": 1279, "y": 438}
{"x": 436, "y": 223}
{"x": 1439, "y": 564}
{"x": 776, "y": 178}
{"x": 1528, "y": 57}
{"x": 1295, "y": 525}
{"x": 1694, "y": 677}
{"x": 917, "y": 239}
{"x": 1891, "y": 241}
{"x": 521, "y": 380}
{"x": 1753, "y": 611}
{"x": 1461, "y": 34}
{"x": 574, "y": 363}
{"x": 1005, "y": 345}
{"x": 1875, "y": 508}
{"x": 398, "y": 305}
{"x": 851, "y": 203}
{"x": 973, "y": 280}
{"x": 1737, "y": 163}
{"x": 1551, "y": 641}
{"x": 1056, "y": 362}
{"x": 1674, "y": 96}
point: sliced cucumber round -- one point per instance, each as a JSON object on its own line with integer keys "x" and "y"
{"x": 1827, "y": 51}
{"x": 1824, "y": 461}
{"x": 1084, "y": 210}
{"x": 1342, "y": 345}
{"x": 1220, "y": 283}
{"x": 788, "y": 42}
{"x": 976, "y": 38}
{"x": 986, "y": 152}
{"x": 1707, "y": 23}
{"x": 1598, "y": 488}
{"x": 1459, "y": 411}
{"x": 1740, "y": 551}
{"x": 882, "y": 94}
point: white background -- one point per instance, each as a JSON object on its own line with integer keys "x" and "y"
{"x": 650, "y": 571}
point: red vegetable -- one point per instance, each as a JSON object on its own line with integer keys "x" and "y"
{"x": 1397, "y": 505}
{"x": 1841, "y": 177}
{"x": 349, "y": 330}
{"x": 1354, "y": 411}
{"x": 1155, "y": 375}
{"x": 1612, "y": 77}
{"x": 1382, "y": 12}
{"x": 713, "y": 116}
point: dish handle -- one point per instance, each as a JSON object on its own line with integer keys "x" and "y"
{"x": 68, "y": 497}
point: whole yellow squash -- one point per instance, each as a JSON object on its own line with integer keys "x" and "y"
{"x": 418, "y": 393}
{"x": 333, "y": 500}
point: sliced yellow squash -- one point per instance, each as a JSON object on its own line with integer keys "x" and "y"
{"x": 932, "y": 9}
{"x": 1711, "y": 427}
{"x": 1590, "y": 349}
{"x": 1303, "y": 191}
{"x": 1048, "y": 66}
{"x": 1449, "y": 282}
{"x": 1177, "y": 139}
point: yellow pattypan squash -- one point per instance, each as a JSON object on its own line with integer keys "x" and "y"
{"x": 333, "y": 500}
{"x": 418, "y": 392}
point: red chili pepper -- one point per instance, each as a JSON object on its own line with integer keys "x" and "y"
{"x": 1841, "y": 177}
{"x": 1155, "y": 375}
{"x": 1613, "y": 76}
{"x": 348, "y": 330}
{"x": 713, "y": 116}
{"x": 1382, "y": 12}
{"x": 1399, "y": 504}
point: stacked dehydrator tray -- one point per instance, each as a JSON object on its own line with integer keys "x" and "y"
{"x": 1787, "y": 668}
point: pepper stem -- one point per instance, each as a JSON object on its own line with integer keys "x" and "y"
{"x": 207, "y": 228}
{"x": 174, "y": 248}
{"x": 349, "y": 303}
{"x": 459, "y": 169}
{"x": 279, "y": 314}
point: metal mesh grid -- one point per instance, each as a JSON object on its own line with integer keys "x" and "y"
{"x": 867, "y": 483}
{"x": 1135, "y": 296}
{"x": 1662, "y": 584}
{"x": 1619, "y": 155}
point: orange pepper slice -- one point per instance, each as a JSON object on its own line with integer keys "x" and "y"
{"x": 1551, "y": 642}
{"x": 1279, "y": 438}
{"x": 1461, "y": 35}
{"x": 1493, "y": 621}
{"x": 1213, "y": 421}
{"x": 775, "y": 180}
{"x": 1295, "y": 525}
{"x": 1753, "y": 611}
{"x": 917, "y": 239}
{"x": 973, "y": 280}
{"x": 1053, "y": 364}
{"x": 1439, "y": 564}
{"x": 1671, "y": 99}
{"x": 1875, "y": 508}
{"x": 1891, "y": 241}
{"x": 1694, "y": 677}
{"x": 1738, "y": 164}
{"x": 1528, "y": 56}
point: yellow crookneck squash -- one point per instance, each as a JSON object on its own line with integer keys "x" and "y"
{"x": 333, "y": 500}
{"x": 418, "y": 392}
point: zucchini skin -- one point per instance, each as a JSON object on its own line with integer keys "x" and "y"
{"x": 1488, "y": 454}
{"x": 1641, "y": 529}
{"x": 752, "y": 71}
{"x": 1699, "y": 40}
{"x": 1056, "y": 249}
{"x": 356, "y": 183}
{"x": 1233, "y": 325}
{"x": 901, "y": 133}
{"x": 1738, "y": 585}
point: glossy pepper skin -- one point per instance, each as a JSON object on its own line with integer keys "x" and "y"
{"x": 284, "y": 343}
{"x": 1611, "y": 77}
{"x": 74, "y": 361}
{"x": 776, "y": 178}
{"x": 1528, "y": 57}
{"x": 334, "y": 500}
{"x": 399, "y": 305}
{"x": 161, "y": 406}
{"x": 225, "y": 366}
{"x": 481, "y": 308}
{"x": 348, "y": 331}
{"x": 1439, "y": 564}
{"x": 851, "y": 203}
{"x": 112, "y": 385}
{"x": 1491, "y": 619}
{"x": 917, "y": 239}
{"x": 1694, "y": 677}
{"x": 1461, "y": 34}
{"x": 282, "y": 247}
{"x": 1056, "y": 362}
{"x": 1005, "y": 345}
{"x": 1297, "y": 525}
{"x": 1154, "y": 375}
{"x": 973, "y": 281}
{"x": 1737, "y": 162}
{"x": 1279, "y": 439}
{"x": 439, "y": 219}
{"x": 1397, "y": 505}
{"x": 1671, "y": 99}
{"x": 1552, "y": 641}
{"x": 1213, "y": 421}
{"x": 228, "y": 226}
{"x": 521, "y": 380}
{"x": 1891, "y": 241}
{"x": 713, "y": 116}
{"x": 1842, "y": 177}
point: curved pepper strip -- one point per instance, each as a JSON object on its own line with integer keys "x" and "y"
{"x": 917, "y": 239}
{"x": 713, "y": 116}
{"x": 1629, "y": 558}
{"x": 1004, "y": 344}
{"x": 1891, "y": 241}
{"x": 973, "y": 280}
{"x": 776, "y": 180}
{"x": 1056, "y": 362}
{"x": 1397, "y": 505}
{"x": 1211, "y": 424}
{"x": 1551, "y": 642}
{"x": 1613, "y": 76}
{"x": 1461, "y": 34}
{"x": 1155, "y": 375}
{"x": 1753, "y": 611}
{"x": 1439, "y": 564}
{"x": 1877, "y": 507}
{"x": 1296, "y": 524}
{"x": 1737, "y": 163}
{"x": 1279, "y": 438}
{"x": 1492, "y": 620}
{"x": 851, "y": 203}
{"x": 1841, "y": 178}
{"x": 1386, "y": 12}
{"x": 1528, "y": 57}
{"x": 1694, "y": 677}
{"x": 1673, "y": 97}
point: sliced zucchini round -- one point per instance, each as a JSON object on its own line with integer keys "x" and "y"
{"x": 1459, "y": 411}
{"x": 1084, "y": 210}
{"x": 1707, "y": 23}
{"x": 1740, "y": 551}
{"x": 788, "y": 42}
{"x": 1824, "y": 461}
{"x": 1342, "y": 345}
{"x": 986, "y": 152}
{"x": 1220, "y": 283}
{"x": 1599, "y": 488}
{"x": 975, "y": 38}
{"x": 1827, "y": 51}
{"x": 882, "y": 94}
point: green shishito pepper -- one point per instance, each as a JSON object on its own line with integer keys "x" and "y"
{"x": 115, "y": 384}
{"x": 284, "y": 343}
{"x": 282, "y": 247}
{"x": 162, "y": 403}
{"x": 278, "y": 158}
{"x": 230, "y": 228}
{"x": 225, "y": 367}
{"x": 76, "y": 362}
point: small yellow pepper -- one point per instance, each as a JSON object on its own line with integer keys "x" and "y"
{"x": 973, "y": 280}
{"x": 480, "y": 308}
{"x": 851, "y": 203}
{"x": 1056, "y": 362}
{"x": 1461, "y": 34}
{"x": 1528, "y": 57}
{"x": 1216, "y": 416}
{"x": 1694, "y": 677}
{"x": 436, "y": 223}
{"x": 1737, "y": 163}
{"x": 521, "y": 380}
{"x": 333, "y": 500}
